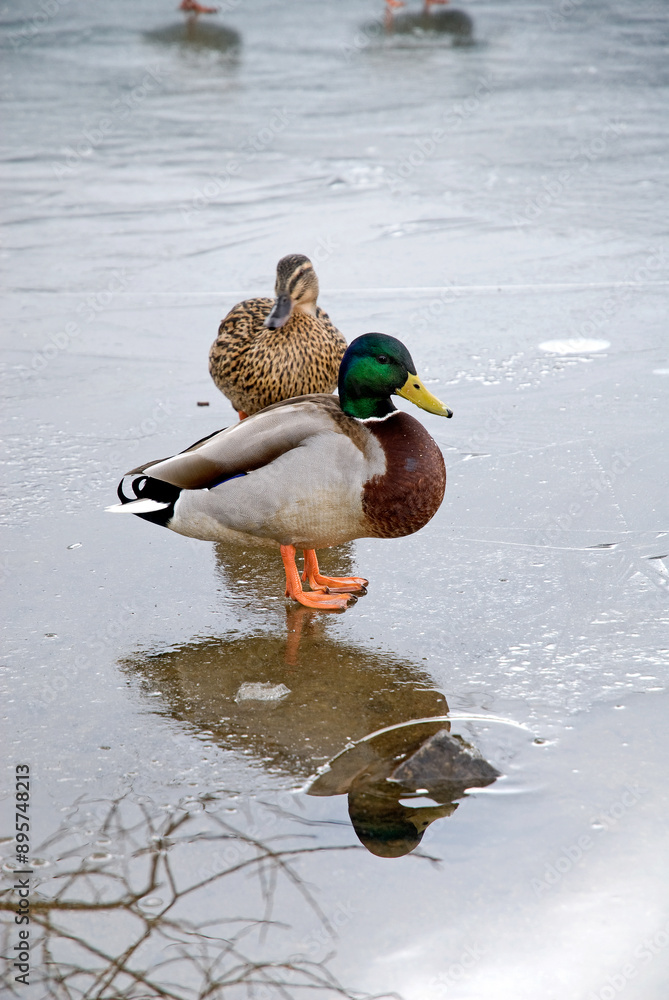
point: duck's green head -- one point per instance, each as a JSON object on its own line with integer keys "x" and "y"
{"x": 375, "y": 367}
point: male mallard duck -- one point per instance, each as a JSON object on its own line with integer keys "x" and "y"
{"x": 309, "y": 472}
{"x": 268, "y": 350}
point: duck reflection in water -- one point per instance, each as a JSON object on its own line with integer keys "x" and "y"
{"x": 378, "y": 774}
{"x": 291, "y": 701}
{"x": 286, "y": 719}
{"x": 413, "y": 760}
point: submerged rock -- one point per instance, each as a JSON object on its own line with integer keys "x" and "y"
{"x": 445, "y": 766}
{"x": 261, "y": 692}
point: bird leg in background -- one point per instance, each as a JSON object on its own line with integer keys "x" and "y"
{"x": 333, "y": 584}
{"x": 194, "y": 9}
{"x": 392, "y": 5}
{"x": 325, "y": 602}
{"x": 242, "y": 415}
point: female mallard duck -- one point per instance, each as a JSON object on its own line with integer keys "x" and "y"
{"x": 268, "y": 350}
{"x": 309, "y": 472}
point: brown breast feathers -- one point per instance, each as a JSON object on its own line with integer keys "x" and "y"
{"x": 410, "y": 492}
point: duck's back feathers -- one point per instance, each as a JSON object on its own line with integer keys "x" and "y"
{"x": 257, "y": 442}
{"x": 255, "y": 367}
{"x": 293, "y": 475}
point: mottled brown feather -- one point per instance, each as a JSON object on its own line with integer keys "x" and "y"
{"x": 255, "y": 367}
{"x": 411, "y": 490}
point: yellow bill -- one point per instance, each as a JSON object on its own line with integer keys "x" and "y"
{"x": 414, "y": 390}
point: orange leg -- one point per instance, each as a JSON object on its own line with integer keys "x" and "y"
{"x": 391, "y": 6}
{"x": 333, "y": 584}
{"x": 242, "y": 415}
{"x": 327, "y": 602}
{"x": 192, "y": 7}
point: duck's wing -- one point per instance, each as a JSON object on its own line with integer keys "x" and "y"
{"x": 244, "y": 320}
{"x": 252, "y": 443}
{"x": 327, "y": 322}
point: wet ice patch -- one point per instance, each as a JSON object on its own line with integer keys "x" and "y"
{"x": 261, "y": 692}
{"x": 359, "y": 176}
{"x": 574, "y": 345}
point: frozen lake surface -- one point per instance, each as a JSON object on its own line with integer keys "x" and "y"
{"x": 498, "y": 200}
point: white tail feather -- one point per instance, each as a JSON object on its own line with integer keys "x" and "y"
{"x": 136, "y": 507}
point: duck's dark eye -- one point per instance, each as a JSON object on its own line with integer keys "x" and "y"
{"x": 383, "y": 359}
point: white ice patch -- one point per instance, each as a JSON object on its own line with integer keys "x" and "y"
{"x": 574, "y": 345}
{"x": 261, "y": 692}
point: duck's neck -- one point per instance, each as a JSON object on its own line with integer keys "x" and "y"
{"x": 365, "y": 408}
{"x": 306, "y": 307}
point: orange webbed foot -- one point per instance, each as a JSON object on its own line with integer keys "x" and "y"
{"x": 331, "y": 584}
{"x": 320, "y": 600}
{"x": 323, "y": 601}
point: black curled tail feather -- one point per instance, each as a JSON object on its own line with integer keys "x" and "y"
{"x": 145, "y": 487}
